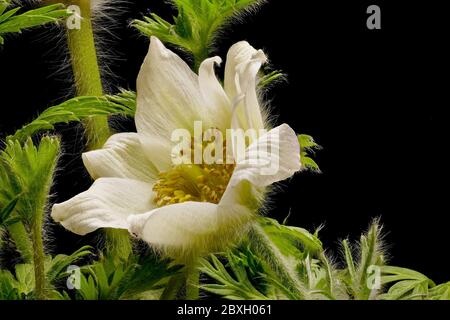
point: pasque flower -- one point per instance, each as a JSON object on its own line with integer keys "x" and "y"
{"x": 185, "y": 208}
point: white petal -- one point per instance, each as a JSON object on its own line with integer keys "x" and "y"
{"x": 213, "y": 92}
{"x": 247, "y": 71}
{"x": 168, "y": 92}
{"x": 158, "y": 150}
{"x": 239, "y": 53}
{"x": 249, "y": 111}
{"x": 274, "y": 157}
{"x": 107, "y": 204}
{"x": 189, "y": 226}
{"x": 168, "y": 98}
{"x": 121, "y": 157}
{"x": 251, "y": 97}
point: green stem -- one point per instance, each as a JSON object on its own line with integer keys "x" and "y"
{"x": 118, "y": 244}
{"x": 264, "y": 247}
{"x": 88, "y": 83}
{"x": 22, "y": 241}
{"x": 174, "y": 287}
{"x": 185, "y": 284}
{"x": 39, "y": 257}
{"x": 86, "y": 72}
{"x": 192, "y": 282}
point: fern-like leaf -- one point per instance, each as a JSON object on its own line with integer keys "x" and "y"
{"x": 78, "y": 109}
{"x": 195, "y": 27}
{"x": 13, "y": 22}
{"x": 307, "y": 148}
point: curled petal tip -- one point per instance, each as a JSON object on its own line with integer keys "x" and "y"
{"x": 157, "y": 47}
{"x": 217, "y": 60}
{"x": 260, "y": 56}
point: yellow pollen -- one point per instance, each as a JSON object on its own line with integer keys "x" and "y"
{"x": 193, "y": 182}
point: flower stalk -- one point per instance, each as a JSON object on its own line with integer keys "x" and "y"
{"x": 38, "y": 255}
{"x": 22, "y": 241}
{"x": 88, "y": 82}
{"x": 118, "y": 244}
{"x": 184, "y": 285}
{"x": 266, "y": 250}
{"x": 174, "y": 287}
{"x": 86, "y": 71}
{"x": 192, "y": 281}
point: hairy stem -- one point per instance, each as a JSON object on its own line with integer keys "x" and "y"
{"x": 88, "y": 83}
{"x": 38, "y": 256}
{"x": 86, "y": 71}
{"x": 22, "y": 241}
{"x": 174, "y": 287}
{"x": 192, "y": 282}
{"x": 118, "y": 244}
{"x": 184, "y": 285}
{"x": 266, "y": 250}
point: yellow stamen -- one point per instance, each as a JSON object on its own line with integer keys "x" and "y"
{"x": 202, "y": 183}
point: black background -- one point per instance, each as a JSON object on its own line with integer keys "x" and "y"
{"x": 371, "y": 98}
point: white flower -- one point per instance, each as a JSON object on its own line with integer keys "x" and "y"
{"x": 185, "y": 208}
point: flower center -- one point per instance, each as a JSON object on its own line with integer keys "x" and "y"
{"x": 193, "y": 182}
{"x": 201, "y": 183}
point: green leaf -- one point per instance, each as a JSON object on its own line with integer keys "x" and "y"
{"x": 308, "y": 147}
{"x": 78, "y": 109}
{"x": 195, "y": 27}
{"x": 18, "y": 285}
{"x": 315, "y": 276}
{"x": 8, "y": 14}
{"x": 26, "y": 174}
{"x": 147, "y": 274}
{"x": 271, "y": 78}
{"x": 25, "y": 278}
{"x": 27, "y": 170}
{"x": 406, "y": 290}
{"x": 409, "y": 284}
{"x": 291, "y": 241}
{"x": 132, "y": 279}
{"x": 392, "y": 274}
{"x": 348, "y": 254}
{"x": 297, "y": 260}
{"x": 235, "y": 286}
{"x": 8, "y": 286}
{"x": 440, "y": 292}
{"x": 11, "y": 21}
{"x": 56, "y": 266}
{"x": 247, "y": 276}
{"x": 3, "y": 5}
{"x": 5, "y": 213}
{"x": 370, "y": 254}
